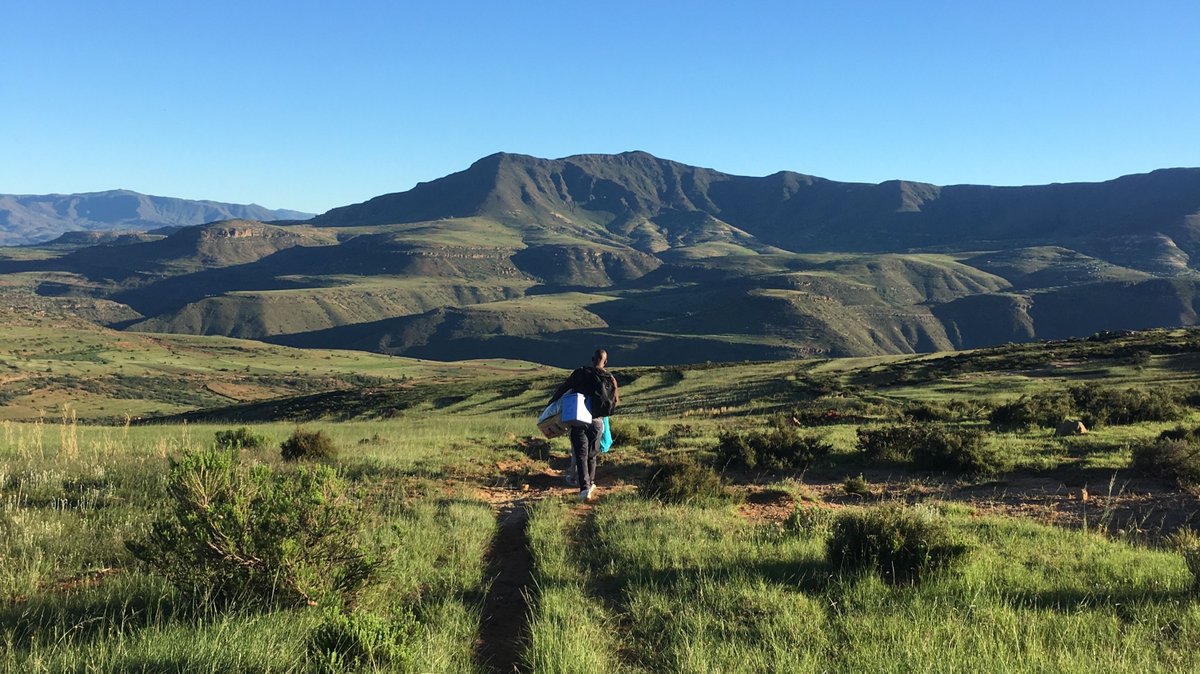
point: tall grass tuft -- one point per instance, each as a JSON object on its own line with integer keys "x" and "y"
{"x": 901, "y": 544}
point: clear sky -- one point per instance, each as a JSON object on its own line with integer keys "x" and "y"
{"x": 312, "y": 105}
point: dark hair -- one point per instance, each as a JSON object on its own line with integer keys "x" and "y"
{"x": 598, "y": 356}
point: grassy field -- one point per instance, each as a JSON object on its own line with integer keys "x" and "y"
{"x": 1070, "y": 565}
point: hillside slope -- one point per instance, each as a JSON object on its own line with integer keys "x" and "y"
{"x": 542, "y": 259}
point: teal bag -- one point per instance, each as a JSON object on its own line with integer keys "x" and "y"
{"x": 606, "y": 439}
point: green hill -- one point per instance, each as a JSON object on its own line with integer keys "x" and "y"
{"x": 542, "y": 259}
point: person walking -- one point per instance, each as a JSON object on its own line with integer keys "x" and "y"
{"x": 600, "y": 389}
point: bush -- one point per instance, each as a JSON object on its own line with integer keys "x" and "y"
{"x": 932, "y": 447}
{"x": 929, "y": 411}
{"x": 900, "y": 544}
{"x": 809, "y": 521}
{"x": 782, "y": 448}
{"x": 351, "y": 642}
{"x": 1098, "y": 405}
{"x": 241, "y": 438}
{"x": 856, "y": 486}
{"x": 1046, "y": 409}
{"x": 308, "y": 445}
{"x": 623, "y": 436}
{"x": 1182, "y": 434}
{"x": 237, "y": 533}
{"x": 1176, "y": 460}
{"x": 676, "y": 435}
{"x": 684, "y": 480}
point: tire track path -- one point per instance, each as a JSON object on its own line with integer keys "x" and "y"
{"x": 504, "y": 630}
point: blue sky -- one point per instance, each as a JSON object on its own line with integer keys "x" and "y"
{"x": 312, "y": 105}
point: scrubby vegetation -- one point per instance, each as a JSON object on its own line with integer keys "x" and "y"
{"x": 235, "y": 533}
{"x": 1095, "y": 405}
{"x": 780, "y": 449}
{"x": 684, "y": 480}
{"x": 1176, "y": 460}
{"x": 931, "y": 447}
{"x": 902, "y": 545}
{"x": 308, "y": 446}
{"x": 240, "y": 438}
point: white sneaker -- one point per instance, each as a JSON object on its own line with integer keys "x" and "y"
{"x": 591, "y": 491}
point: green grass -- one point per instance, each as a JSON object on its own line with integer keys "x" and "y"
{"x": 74, "y": 599}
{"x": 628, "y": 585}
{"x": 700, "y": 590}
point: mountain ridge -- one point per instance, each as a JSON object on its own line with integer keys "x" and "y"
{"x": 622, "y": 195}
{"x": 36, "y": 218}
{"x": 541, "y": 259}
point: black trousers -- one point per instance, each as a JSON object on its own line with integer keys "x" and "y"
{"x": 585, "y": 445}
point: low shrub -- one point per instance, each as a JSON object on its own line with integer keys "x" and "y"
{"x": 684, "y": 480}
{"x": 308, "y": 446}
{"x": 902, "y": 545}
{"x": 856, "y": 486}
{"x": 256, "y": 534}
{"x": 1095, "y": 405}
{"x": 1181, "y": 434}
{"x": 240, "y": 438}
{"x": 347, "y": 642}
{"x": 1099, "y": 405}
{"x": 1046, "y": 410}
{"x": 676, "y": 436}
{"x": 931, "y": 447}
{"x": 781, "y": 448}
{"x": 1176, "y": 460}
{"x": 929, "y": 411}
{"x": 809, "y": 521}
{"x": 624, "y": 436}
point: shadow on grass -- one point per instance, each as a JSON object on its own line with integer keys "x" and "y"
{"x": 115, "y": 607}
{"x": 1074, "y": 599}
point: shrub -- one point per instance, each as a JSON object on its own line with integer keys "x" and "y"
{"x": 351, "y": 642}
{"x": 1182, "y": 434}
{"x": 856, "y": 486}
{"x": 900, "y": 544}
{"x": 1099, "y": 405}
{"x": 308, "y": 445}
{"x": 782, "y": 448}
{"x": 1176, "y": 460}
{"x": 1046, "y": 409}
{"x": 929, "y": 411}
{"x": 809, "y": 521}
{"x": 684, "y": 480}
{"x": 932, "y": 447}
{"x": 676, "y": 435}
{"x": 623, "y": 436}
{"x": 279, "y": 537}
{"x": 241, "y": 438}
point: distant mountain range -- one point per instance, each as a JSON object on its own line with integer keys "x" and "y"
{"x": 545, "y": 259}
{"x": 26, "y": 219}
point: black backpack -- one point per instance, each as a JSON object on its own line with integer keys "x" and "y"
{"x": 601, "y": 391}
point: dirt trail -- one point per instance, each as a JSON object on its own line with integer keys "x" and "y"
{"x": 506, "y": 608}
